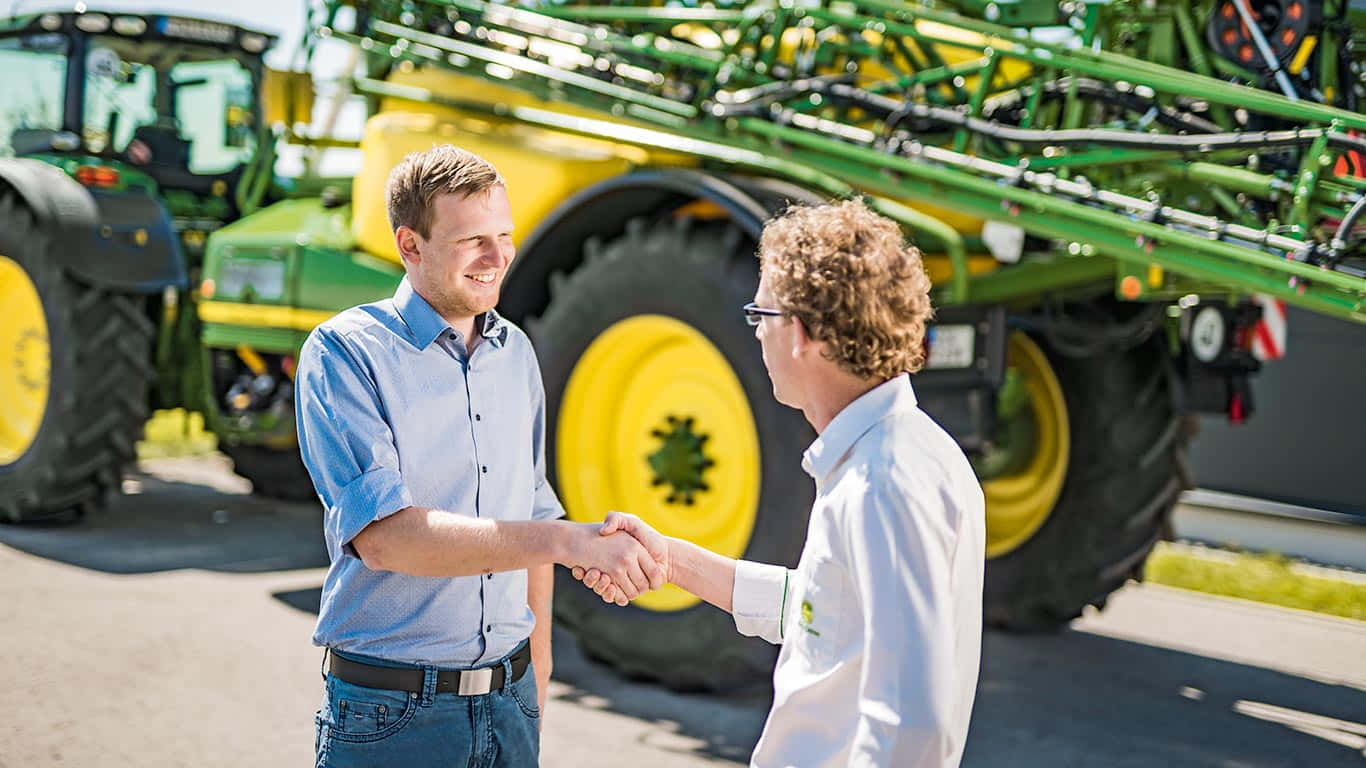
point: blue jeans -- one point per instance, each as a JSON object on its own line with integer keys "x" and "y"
{"x": 360, "y": 726}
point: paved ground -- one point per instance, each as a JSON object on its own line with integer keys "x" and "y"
{"x": 173, "y": 630}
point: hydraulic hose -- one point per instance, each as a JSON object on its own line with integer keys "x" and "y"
{"x": 1133, "y": 99}
{"x": 1339, "y": 240}
{"x": 894, "y": 111}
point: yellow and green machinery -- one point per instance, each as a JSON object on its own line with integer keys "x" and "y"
{"x": 124, "y": 140}
{"x": 1099, "y": 189}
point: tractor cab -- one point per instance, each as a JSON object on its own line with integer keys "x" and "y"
{"x": 125, "y": 139}
{"x": 174, "y": 98}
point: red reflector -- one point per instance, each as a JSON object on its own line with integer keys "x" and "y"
{"x": 97, "y": 175}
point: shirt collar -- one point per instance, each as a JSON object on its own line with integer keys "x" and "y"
{"x": 495, "y": 328}
{"x": 426, "y": 324}
{"x": 853, "y": 421}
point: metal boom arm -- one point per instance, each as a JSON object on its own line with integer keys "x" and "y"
{"x": 905, "y": 103}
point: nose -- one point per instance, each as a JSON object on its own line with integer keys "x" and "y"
{"x": 506, "y": 251}
{"x": 495, "y": 255}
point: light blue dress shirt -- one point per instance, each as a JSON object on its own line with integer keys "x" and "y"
{"x": 393, "y": 413}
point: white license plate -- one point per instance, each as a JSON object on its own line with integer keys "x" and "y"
{"x": 266, "y": 279}
{"x": 951, "y": 346}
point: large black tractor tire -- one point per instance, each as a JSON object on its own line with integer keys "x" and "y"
{"x": 700, "y": 273}
{"x": 1123, "y": 478}
{"x": 99, "y": 371}
{"x": 274, "y": 474}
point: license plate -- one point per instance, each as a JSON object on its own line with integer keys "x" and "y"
{"x": 950, "y": 346}
{"x": 265, "y": 279}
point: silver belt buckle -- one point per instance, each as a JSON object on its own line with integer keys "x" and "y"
{"x": 476, "y": 682}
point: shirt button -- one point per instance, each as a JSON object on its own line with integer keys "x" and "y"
{"x": 489, "y": 628}
{"x": 476, "y": 417}
{"x": 490, "y": 577}
{"x": 451, "y": 337}
{"x": 485, "y": 469}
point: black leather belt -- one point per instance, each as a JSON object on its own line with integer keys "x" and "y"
{"x": 465, "y": 682}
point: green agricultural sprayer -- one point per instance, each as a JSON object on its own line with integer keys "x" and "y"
{"x": 1106, "y": 195}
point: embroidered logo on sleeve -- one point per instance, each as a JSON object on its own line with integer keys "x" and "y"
{"x": 807, "y": 615}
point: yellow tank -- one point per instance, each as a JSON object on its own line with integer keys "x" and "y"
{"x": 542, "y": 168}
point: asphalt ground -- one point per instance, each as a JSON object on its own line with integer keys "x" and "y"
{"x": 173, "y": 629}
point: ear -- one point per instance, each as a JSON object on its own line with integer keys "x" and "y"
{"x": 409, "y": 244}
{"x": 801, "y": 340}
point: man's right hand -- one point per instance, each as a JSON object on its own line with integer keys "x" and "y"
{"x": 656, "y": 544}
{"x": 630, "y": 566}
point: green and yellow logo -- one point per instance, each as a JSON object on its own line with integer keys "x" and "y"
{"x": 807, "y": 614}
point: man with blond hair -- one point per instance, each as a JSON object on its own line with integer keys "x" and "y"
{"x": 881, "y": 621}
{"x": 421, "y": 420}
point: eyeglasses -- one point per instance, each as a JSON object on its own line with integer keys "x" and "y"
{"x": 754, "y": 314}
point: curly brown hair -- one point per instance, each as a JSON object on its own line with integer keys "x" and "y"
{"x": 848, "y": 274}
{"x": 418, "y": 178}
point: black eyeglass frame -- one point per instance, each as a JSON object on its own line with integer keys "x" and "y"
{"x": 754, "y": 314}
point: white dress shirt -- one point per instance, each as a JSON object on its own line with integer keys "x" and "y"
{"x": 881, "y": 622}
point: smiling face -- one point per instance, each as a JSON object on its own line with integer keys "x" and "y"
{"x": 459, "y": 270}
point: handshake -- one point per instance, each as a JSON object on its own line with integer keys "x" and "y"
{"x": 624, "y": 559}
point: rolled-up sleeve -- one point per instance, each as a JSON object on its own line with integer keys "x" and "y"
{"x": 345, "y": 441}
{"x": 545, "y": 505}
{"x": 760, "y": 598}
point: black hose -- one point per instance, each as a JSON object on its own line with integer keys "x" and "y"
{"x": 894, "y": 111}
{"x": 1339, "y": 240}
{"x": 1077, "y": 338}
{"x": 757, "y": 99}
{"x": 1095, "y": 89}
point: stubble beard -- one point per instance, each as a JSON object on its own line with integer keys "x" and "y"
{"x": 452, "y": 303}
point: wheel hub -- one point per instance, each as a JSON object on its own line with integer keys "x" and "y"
{"x": 31, "y": 363}
{"x": 1284, "y": 25}
{"x": 680, "y": 460}
{"x": 640, "y": 391}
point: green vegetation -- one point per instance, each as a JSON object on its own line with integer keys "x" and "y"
{"x": 1264, "y": 577}
{"x": 176, "y": 432}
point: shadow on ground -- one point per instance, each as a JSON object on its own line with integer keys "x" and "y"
{"x": 306, "y": 600}
{"x": 1065, "y": 699}
{"x": 726, "y": 725}
{"x": 1077, "y": 699}
{"x": 175, "y": 517}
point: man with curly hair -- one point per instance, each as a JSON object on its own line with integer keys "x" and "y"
{"x": 880, "y": 622}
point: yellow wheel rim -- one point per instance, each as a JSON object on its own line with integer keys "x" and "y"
{"x": 25, "y": 362}
{"x": 1018, "y": 503}
{"x": 654, "y": 417}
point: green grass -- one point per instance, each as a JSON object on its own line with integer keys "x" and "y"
{"x": 1266, "y": 578}
{"x": 176, "y": 433}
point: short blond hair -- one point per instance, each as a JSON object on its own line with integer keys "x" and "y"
{"x": 848, "y": 274}
{"x": 445, "y": 169}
